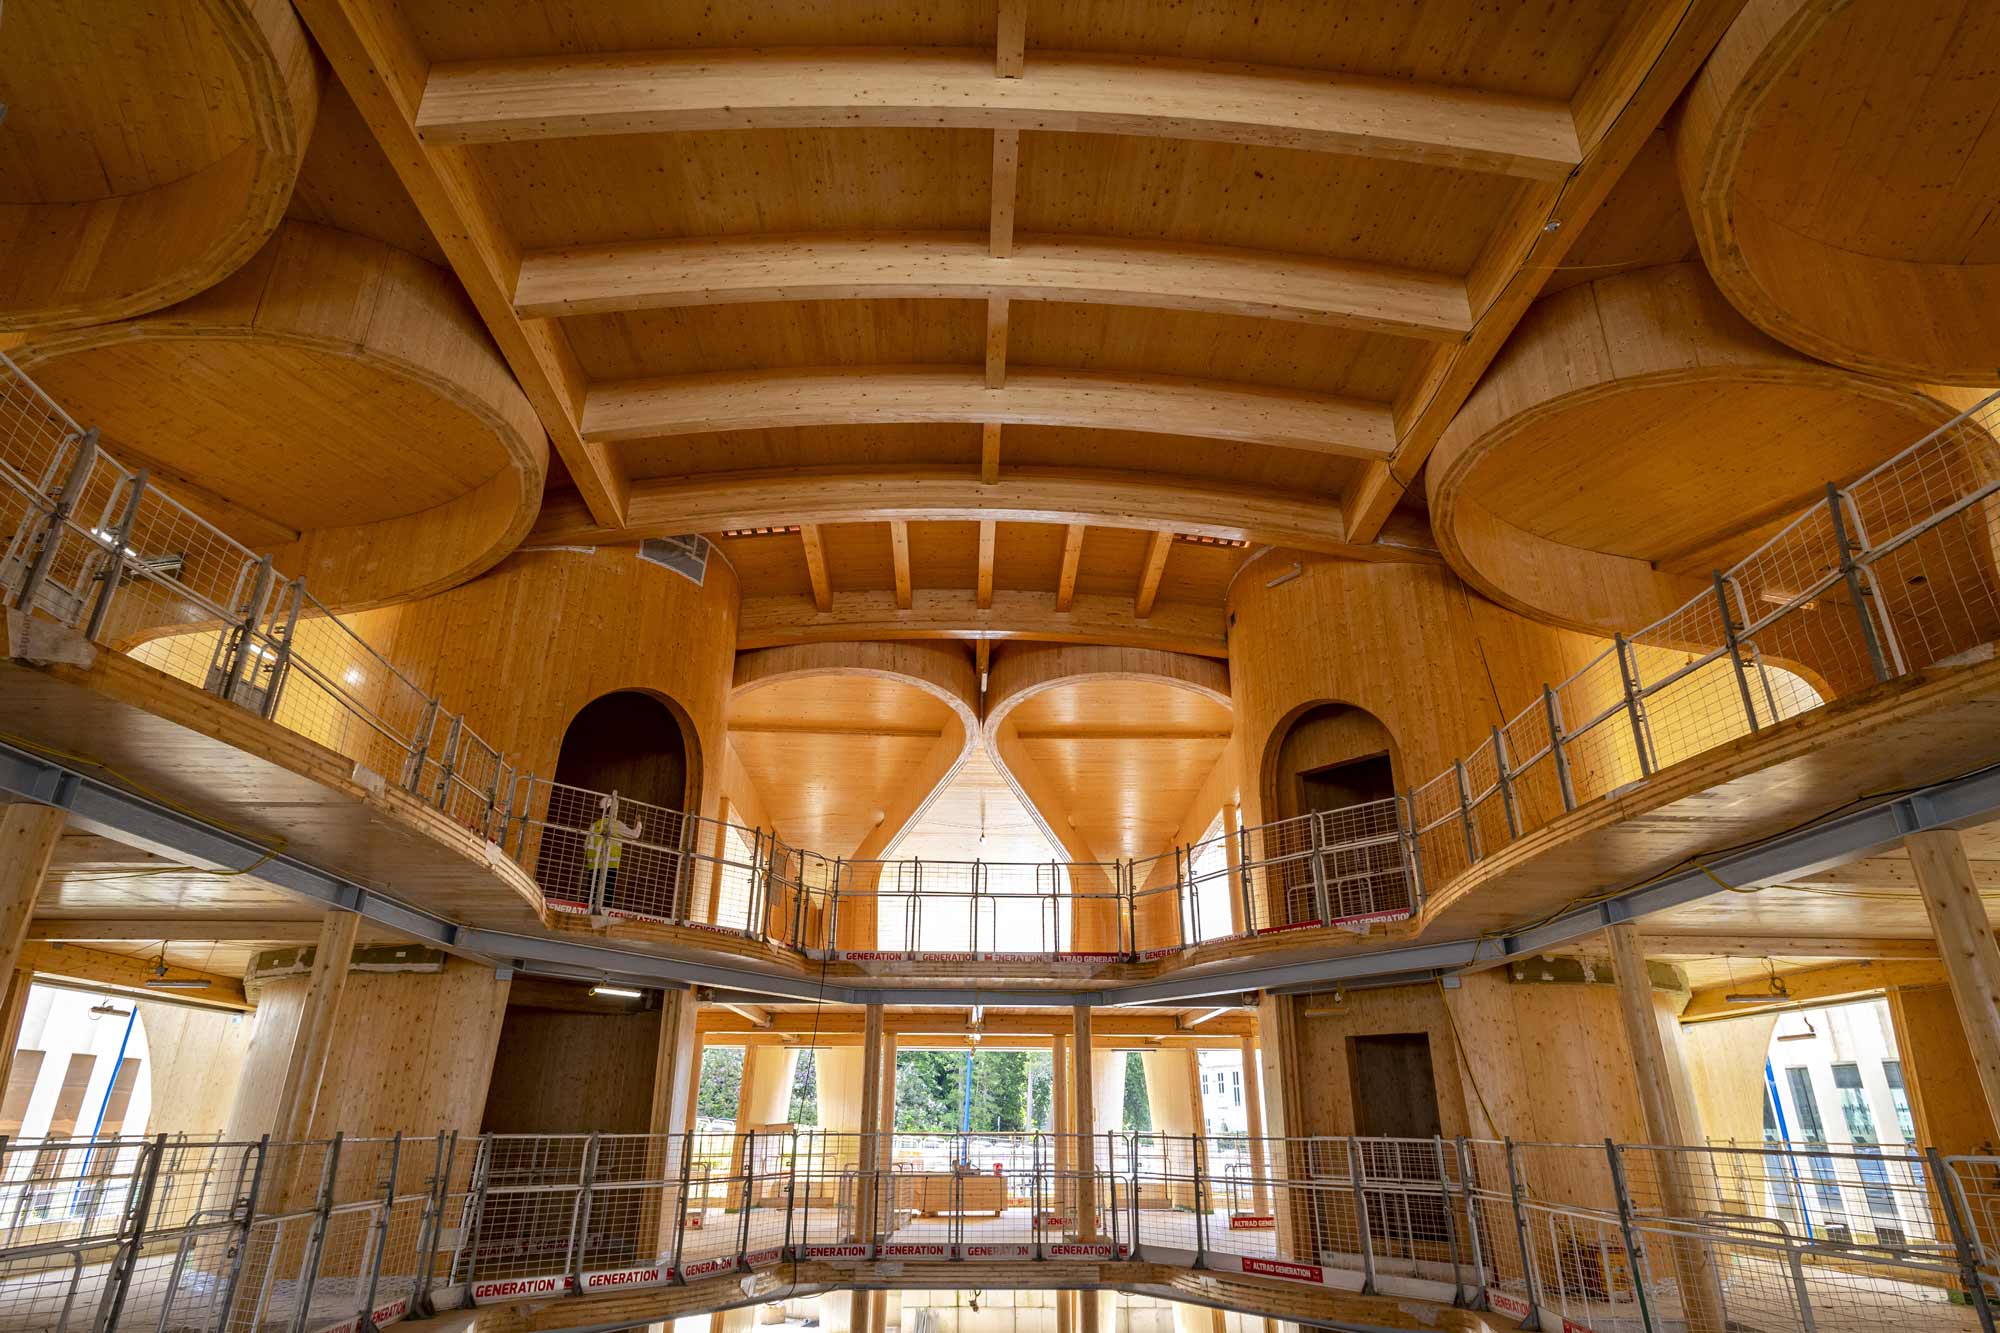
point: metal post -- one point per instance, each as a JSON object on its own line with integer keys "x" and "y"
{"x": 1465, "y": 812}
{"x": 1243, "y": 879}
{"x": 281, "y": 661}
{"x": 1322, "y": 906}
{"x": 1553, "y": 709}
{"x": 365, "y": 1317}
{"x": 1851, "y": 573}
{"x": 433, "y": 1224}
{"x": 1961, "y": 1239}
{"x": 482, "y": 1174}
{"x": 119, "y": 1280}
{"x": 72, "y": 491}
{"x": 1450, "y": 1223}
{"x": 241, "y": 1250}
{"x": 580, "y": 1245}
{"x": 1180, "y": 905}
{"x": 1506, "y": 783}
{"x": 680, "y": 1222}
{"x": 246, "y": 630}
{"x": 1634, "y": 1257}
{"x": 1478, "y": 1301}
{"x": 1198, "y": 1159}
{"x": 420, "y": 745}
{"x": 454, "y": 736}
{"x": 743, "y": 1213}
{"x": 1729, "y": 629}
{"x": 114, "y": 573}
{"x": 1361, "y": 1218}
{"x": 681, "y": 909}
{"x": 1533, "y": 1319}
{"x": 1037, "y": 1227}
{"x": 1629, "y": 678}
{"x": 316, "y": 1243}
{"x": 791, "y": 1200}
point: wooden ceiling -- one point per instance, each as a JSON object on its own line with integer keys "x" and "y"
{"x": 994, "y": 298}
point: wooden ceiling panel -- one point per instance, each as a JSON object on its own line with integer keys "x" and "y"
{"x": 1323, "y": 204}
{"x": 519, "y": 28}
{"x": 858, "y": 556}
{"x": 1539, "y": 50}
{"x": 692, "y": 339}
{"x": 1290, "y": 470}
{"x": 1201, "y": 573}
{"x": 1028, "y": 556}
{"x": 766, "y": 566}
{"x": 802, "y": 446}
{"x": 1112, "y": 559}
{"x": 346, "y": 182}
{"x": 1127, "y": 756}
{"x": 1280, "y": 354}
{"x": 944, "y": 555}
{"x": 839, "y": 703}
{"x": 671, "y": 186}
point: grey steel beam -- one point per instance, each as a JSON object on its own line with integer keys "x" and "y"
{"x": 99, "y": 805}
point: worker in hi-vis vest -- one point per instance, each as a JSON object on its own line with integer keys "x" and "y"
{"x": 604, "y": 845}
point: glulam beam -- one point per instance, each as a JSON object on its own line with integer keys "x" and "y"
{"x": 1146, "y": 502}
{"x": 1158, "y": 548}
{"x": 876, "y": 395}
{"x": 378, "y": 59}
{"x": 669, "y": 92}
{"x": 830, "y": 266}
{"x": 954, "y": 613}
{"x": 1645, "y": 64}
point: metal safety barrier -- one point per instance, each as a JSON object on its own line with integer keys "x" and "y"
{"x": 1894, "y": 572}
{"x": 344, "y": 1235}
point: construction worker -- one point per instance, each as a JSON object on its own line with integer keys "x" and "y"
{"x": 604, "y": 845}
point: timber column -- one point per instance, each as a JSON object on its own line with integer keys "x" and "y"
{"x": 1685, "y": 1180}
{"x": 676, "y": 1080}
{"x": 867, "y": 1227}
{"x": 1966, "y": 946}
{"x": 1253, "y": 1115}
{"x": 28, "y": 837}
{"x": 1085, "y": 1110}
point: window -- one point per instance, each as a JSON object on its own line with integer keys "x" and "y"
{"x": 1813, "y": 1130}
{"x": 1236, "y": 1085}
{"x": 1854, "y": 1107}
{"x": 1899, "y": 1097}
{"x": 1204, "y": 1085}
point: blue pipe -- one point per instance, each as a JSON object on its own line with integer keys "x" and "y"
{"x": 1785, "y": 1137}
{"x": 104, "y": 1103}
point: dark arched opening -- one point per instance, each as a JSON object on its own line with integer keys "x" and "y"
{"x": 622, "y": 856}
{"x": 630, "y": 743}
{"x": 1329, "y": 785}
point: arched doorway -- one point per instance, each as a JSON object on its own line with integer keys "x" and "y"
{"x": 624, "y": 856}
{"x": 1331, "y": 840}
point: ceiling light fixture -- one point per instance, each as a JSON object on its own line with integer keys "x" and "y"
{"x": 1807, "y": 1035}
{"x": 610, "y": 992}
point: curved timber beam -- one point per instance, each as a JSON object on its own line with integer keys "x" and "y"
{"x": 940, "y": 670}
{"x": 954, "y": 613}
{"x": 1146, "y": 502}
{"x": 666, "y": 92}
{"x": 873, "y": 395}
{"x": 724, "y": 270}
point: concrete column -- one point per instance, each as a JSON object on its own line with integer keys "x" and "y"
{"x": 1253, "y": 1112}
{"x": 1966, "y": 946}
{"x": 28, "y": 837}
{"x": 1084, "y": 1109}
{"x": 1684, "y": 1183}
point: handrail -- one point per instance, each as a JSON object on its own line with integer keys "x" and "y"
{"x": 1823, "y": 606}
{"x": 352, "y": 1234}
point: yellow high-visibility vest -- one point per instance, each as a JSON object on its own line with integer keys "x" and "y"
{"x": 601, "y": 848}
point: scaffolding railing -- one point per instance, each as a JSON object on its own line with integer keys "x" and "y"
{"x": 345, "y": 1235}
{"x": 1896, "y": 571}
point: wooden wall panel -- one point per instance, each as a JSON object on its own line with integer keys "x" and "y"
{"x": 194, "y": 1060}
{"x": 1409, "y": 644}
{"x": 559, "y": 1073}
{"x": 1322, "y": 1061}
{"x": 522, "y": 649}
{"x": 412, "y": 1051}
{"x": 1945, "y": 1098}
{"x": 1726, "y": 1068}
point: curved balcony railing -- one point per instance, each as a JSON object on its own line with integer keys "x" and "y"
{"x": 340, "y": 1235}
{"x": 1896, "y": 571}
